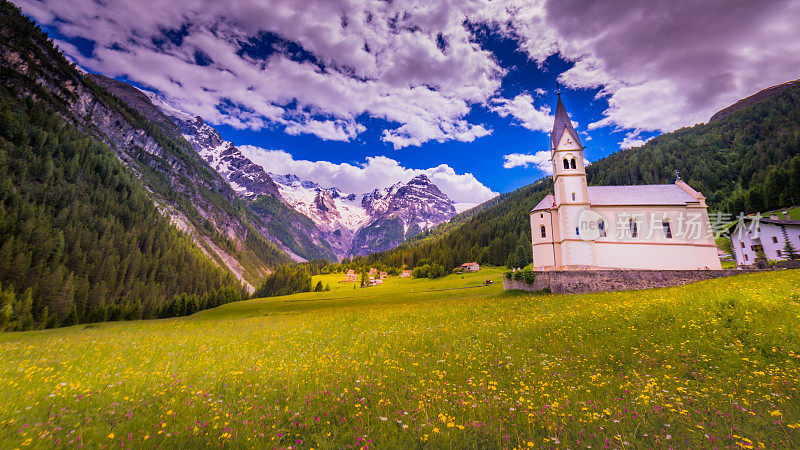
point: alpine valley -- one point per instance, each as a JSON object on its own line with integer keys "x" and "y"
{"x": 346, "y": 223}
{"x": 304, "y": 219}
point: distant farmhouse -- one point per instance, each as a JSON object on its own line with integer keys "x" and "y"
{"x": 616, "y": 227}
{"x": 351, "y": 276}
{"x": 470, "y": 267}
{"x": 753, "y": 238}
{"x": 405, "y": 274}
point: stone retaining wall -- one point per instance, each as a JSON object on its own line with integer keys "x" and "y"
{"x": 581, "y": 281}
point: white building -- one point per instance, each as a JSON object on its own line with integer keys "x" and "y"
{"x": 753, "y": 234}
{"x": 616, "y": 227}
{"x": 470, "y": 267}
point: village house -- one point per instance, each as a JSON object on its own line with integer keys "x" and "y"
{"x": 756, "y": 237}
{"x": 373, "y": 271}
{"x": 351, "y": 277}
{"x": 405, "y": 274}
{"x": 662, "y": 226}
{"x": 383, "y": 275}
{"x": 470, "y": 267}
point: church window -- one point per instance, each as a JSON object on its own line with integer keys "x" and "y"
{"x": 573, "y": 196}
{"x": 774, "y": 240}
{"x": 746, "y": 258}
{"x": 601, "y": 227}
{"x": 742, "y": 243}
{"x": 541, "y": 215}
{"x": 779, "y": 253}
{"x": 634, "y": 228}
{"x": 577, "y": 231}
{"x": 572, "y": 163}
{"x": 544, "y": 231}
{"x": 566, "y": 163}
{"x": 667, "y": 229}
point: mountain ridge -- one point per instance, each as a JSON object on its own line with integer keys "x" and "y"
{"x": 764, "y": 94}
{"x": 348, "y": 224}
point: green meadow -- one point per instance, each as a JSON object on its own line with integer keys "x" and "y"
{"x": 423, "y": 363}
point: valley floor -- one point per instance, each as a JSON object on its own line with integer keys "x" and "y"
{"x": 424, "y": 363}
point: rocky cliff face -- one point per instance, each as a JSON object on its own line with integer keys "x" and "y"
{"x": 277, "y": 219}
{"x": 246, "y": 178}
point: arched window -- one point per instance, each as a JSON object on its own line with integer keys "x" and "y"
{"x": 544, "y": 231}
{"x": 667, "y": 229}
{"x": 634, "y": 228}
{"x": 573, "y": 196}
{"x": 566, "y": 163}
{"x": 572, "y": 163}
{"x": 601, "y": 227}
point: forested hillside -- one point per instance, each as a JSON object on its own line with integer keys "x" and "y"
{"x": 736, "y": 162}
{"x": 80, "y": 240}
{"x": 746, "y": 162}
{"x": 183, "y": 185}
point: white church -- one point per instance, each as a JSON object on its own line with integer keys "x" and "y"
{"x": 582, "y": 227}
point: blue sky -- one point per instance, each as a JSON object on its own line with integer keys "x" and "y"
{"x": 362, "y": 94}
{"x": 482, "y": 157}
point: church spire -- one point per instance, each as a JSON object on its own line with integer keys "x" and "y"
{"x": 560, "y": 124}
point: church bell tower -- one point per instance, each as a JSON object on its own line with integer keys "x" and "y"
{"x": 569, "y": 173}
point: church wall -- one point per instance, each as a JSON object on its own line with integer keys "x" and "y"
{"x": 656, "y": 256}
{"x": 543, "y": 250}
{"x": 582, "y": 281}
{"x": 690, "y": 247}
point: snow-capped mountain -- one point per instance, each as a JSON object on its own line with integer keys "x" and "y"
{"x": 329, "y": 208}
{"x": 399, "y": 212}
{"x": 346, "y": 224}
{"x": 375, "y": 221}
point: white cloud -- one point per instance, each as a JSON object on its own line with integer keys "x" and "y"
{"x": 632, "y": 139}
{"x": 540, "y": 159}
{"x": 416, "y": 63}
{"x": 413, "y": 64}
{"x": 521, "y": 108}
{"x": 375, "y": 173}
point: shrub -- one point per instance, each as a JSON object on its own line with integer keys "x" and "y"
{"x": 526, "y": 275}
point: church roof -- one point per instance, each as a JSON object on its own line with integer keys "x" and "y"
{"x": 639, "y": 195}
{"x": 546, "y": 203}
{"x": 779, "y": 221}
{"x": 561, "y": 123}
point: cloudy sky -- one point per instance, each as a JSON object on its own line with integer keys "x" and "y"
{"x": 376, "y": 91}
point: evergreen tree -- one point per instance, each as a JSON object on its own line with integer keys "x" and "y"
{"x": 788, "y": 248}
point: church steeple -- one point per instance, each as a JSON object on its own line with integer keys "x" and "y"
{"x": 560, "y": 124}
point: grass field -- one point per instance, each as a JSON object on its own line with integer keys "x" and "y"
{"x": 421, "y": 363}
